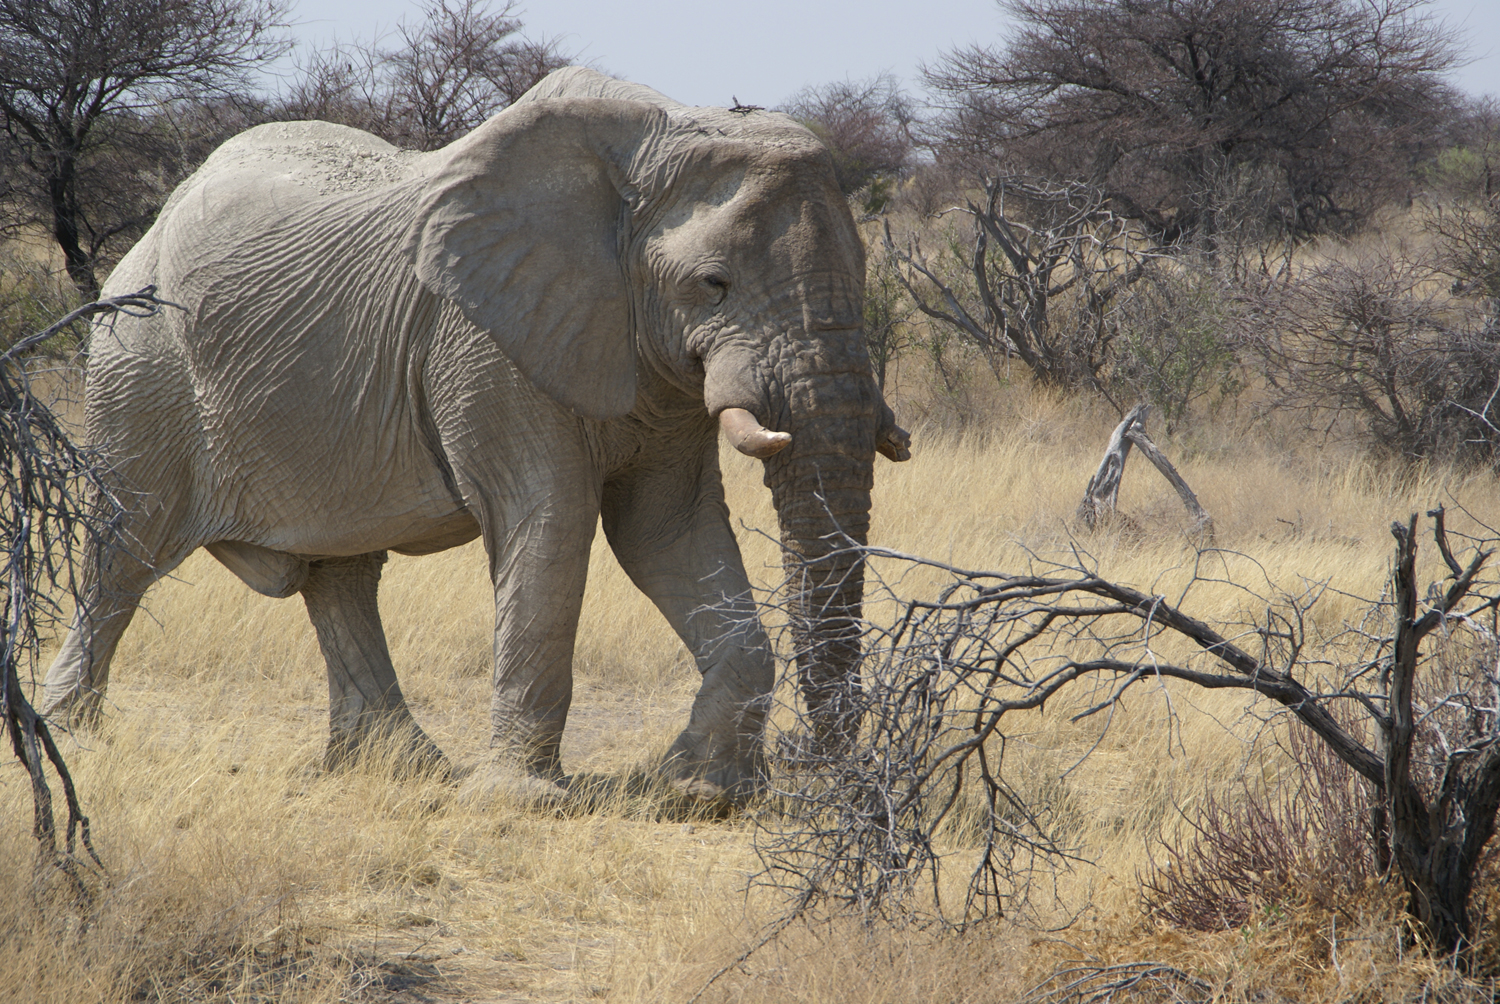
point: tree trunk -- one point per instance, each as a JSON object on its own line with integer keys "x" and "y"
{"x": 79, "y": 264}
{"x": 1435, "y": 848}
{"x": 1103, "y": 490}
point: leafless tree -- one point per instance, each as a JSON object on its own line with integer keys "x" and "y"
{"x": 1468, "y": 249}
{"x": 1405, "y": 695}
{"x": 77, "y": 80}
{"x": 1378, "y": 338}
{"x": 338, "y": 82}
{"x": 1467, "y": 164}
{"x": 867, "y": 127}
{"x": 1043, "y": 281}
{"x": 441, "y": 78}
{"x": 1167, "y": 103}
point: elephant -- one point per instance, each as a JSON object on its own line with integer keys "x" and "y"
{"x": 538, "y": 329}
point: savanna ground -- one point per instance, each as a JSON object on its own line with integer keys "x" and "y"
{"x": 238, "y": 870}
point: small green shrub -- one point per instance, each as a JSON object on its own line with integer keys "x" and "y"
{"x": 1174, "y": 348}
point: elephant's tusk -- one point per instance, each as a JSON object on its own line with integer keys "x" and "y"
{"x": 750, "y": 437}
{"x": 895, "y": 444}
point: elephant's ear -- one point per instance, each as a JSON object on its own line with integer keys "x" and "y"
{"x": 522, "y": 225}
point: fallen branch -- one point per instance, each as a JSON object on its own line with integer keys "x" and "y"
{"x": 1100, "y": 498}
{"x": 1137, "y": 982}
{"x": 862, "y": 829}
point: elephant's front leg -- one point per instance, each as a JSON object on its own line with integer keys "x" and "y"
{"x": 364, "y": 699}
{"x": 539, "y": 566}
{"x": 670, "y": 530}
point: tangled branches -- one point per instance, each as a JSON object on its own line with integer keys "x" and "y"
{"x": 54, "y": 505}
{"x": 868, "y": 822}
{"x": 1049, "y": 268}
{"x": 1129, "y": 981}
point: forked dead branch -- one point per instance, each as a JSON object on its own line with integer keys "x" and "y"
{"x": 1102, "y": 493}
{"x": 1407, "y": 697}
{"x": 54, "y": 507}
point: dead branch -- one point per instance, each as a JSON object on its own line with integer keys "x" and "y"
{"x": 1202, "y": 521}
{"x": 1101, "y": 496}
{"x": 54, "y": 508}
{"x": 1127, "y": 981}
{"x": 863, "y": 830}
{"x": 1103, "y": 490}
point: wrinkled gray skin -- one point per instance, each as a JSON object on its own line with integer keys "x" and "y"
{"x": 507, "y": 338}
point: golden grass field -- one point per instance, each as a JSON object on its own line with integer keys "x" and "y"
{"x": 228, "y": 851}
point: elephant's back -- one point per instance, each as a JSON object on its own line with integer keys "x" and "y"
{"x": 296, "y": 162}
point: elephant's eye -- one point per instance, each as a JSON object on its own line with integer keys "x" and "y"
{"x": 716, "y": 286}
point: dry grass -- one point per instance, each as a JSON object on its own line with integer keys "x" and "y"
{"x": 238, "y": 871}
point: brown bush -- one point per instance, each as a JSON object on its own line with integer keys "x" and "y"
{"x": 1255, "y": 850}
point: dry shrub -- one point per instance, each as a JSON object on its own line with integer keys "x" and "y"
{"x": 1377, "y": 339}
{"x": 1254, "y": 851}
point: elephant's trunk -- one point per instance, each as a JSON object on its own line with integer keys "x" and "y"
{"x": 820, "y": 484}
{"x": 821, "y": 490}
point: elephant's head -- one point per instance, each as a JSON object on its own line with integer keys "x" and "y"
{"x": 691, "y": 251}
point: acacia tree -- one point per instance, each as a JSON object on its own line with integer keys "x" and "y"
{"x": 867, "y": 127}
{"x": 446, "y": 74}
{"x": 1318, "y": 106}
{"x": 76, "y": 77}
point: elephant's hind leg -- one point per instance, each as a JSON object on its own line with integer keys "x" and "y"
{"x": 114, "y": 583}
{"x": 364, "y": 699}
{"x": 74, "y": 687}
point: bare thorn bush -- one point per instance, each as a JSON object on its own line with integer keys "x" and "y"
{"x": 1043, "y": 281}
{"x": 869, "y": 825}
{"x": 1377, "y": 338}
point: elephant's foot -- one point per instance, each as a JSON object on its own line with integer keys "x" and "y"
{"x": 705, "y": 768}
{"x": 505, "y": 780}
{"x": 720, "y": 756}
{"x": 398, "y": 737}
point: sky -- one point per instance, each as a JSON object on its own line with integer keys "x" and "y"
{"x": 762, "y": 51}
